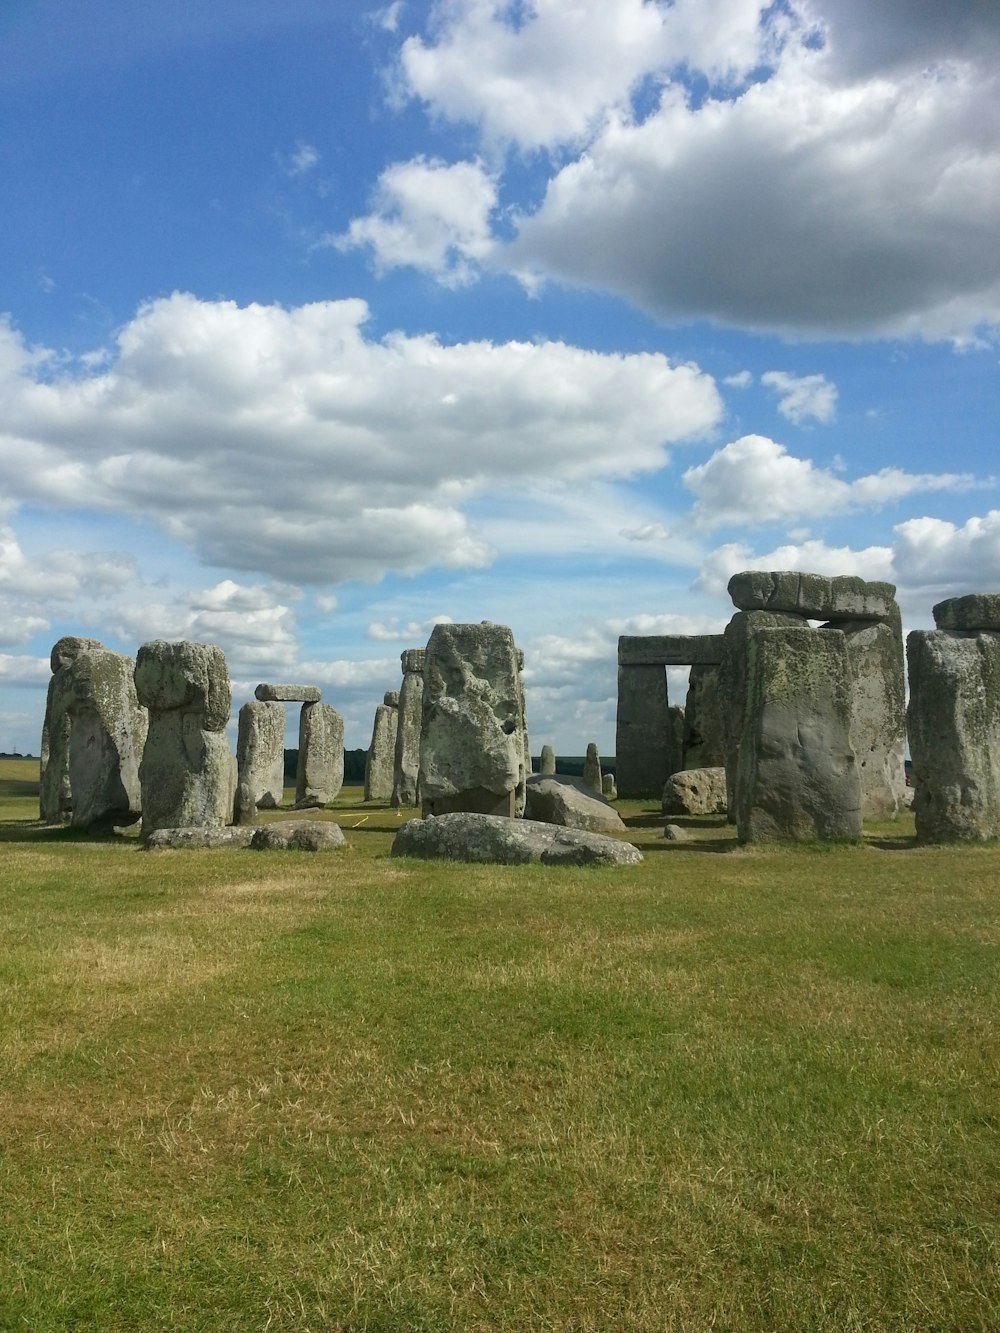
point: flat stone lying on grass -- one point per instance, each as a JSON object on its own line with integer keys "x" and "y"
{"x": 299, "y": 835}
{"x": 674, "y": 833}
{"x": 199, "y": 836}
{"x": 496, "y": 840}
{"x": 695, "y": 791}
{"x": 570, "y": 803}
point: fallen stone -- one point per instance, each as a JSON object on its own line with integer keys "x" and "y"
{"x": 674, "y": 833}
{"x": 975, "y": 611}
{"x": 496, "y": 840}
{"x": 570, "y": 803}
{"x": 695, "y": 791}
{"x": 299, "y": 835}
{"x": 288, "y": 694}
{"x": 815, "y": 596}
{"x": 173, "y": 838}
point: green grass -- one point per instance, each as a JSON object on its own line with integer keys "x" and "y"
{"x": 726, "y": 1089}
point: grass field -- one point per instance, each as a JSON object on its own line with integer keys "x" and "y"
{"x": 726, "y": 1089}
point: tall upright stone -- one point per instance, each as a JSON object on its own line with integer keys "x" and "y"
{"x": 547, "y": 761}
{"x": 797, "y": 776}
{"x": 320, "y": 773}
{"x": 381, "y": 755}
{"x": 520, "y": 794}
{"x": 260, "y": 759}
{"x": 878, "y": 714}
{"x": 953, "y": 723}
{"x": 472, "y": 729}
{"x": 187, "y": 773}
{"x": 644, "y": 731}
{"x": 55, "y": 801}
{"x": 406, "y": 761}
{"x": 592, "y": 769}
{"x": 704, "y": 740}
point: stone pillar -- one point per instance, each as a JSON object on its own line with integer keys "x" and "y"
{"x": 521, "y": 791}
{"x": 107, "y": 738}
{"x": 55, "y": 801}
{"x": 472, "y": 725}
{"x": 592, "y": 769}
{"x": 320, "y": 773}
{"x": 797, "y": 777}
{"x": 547, "y": 760}
{"x": 382, "y": 750}
{"x": 704, "y": 744}
{"x": 643, "y": 732}
{"x": 878, "y": 715}
{"x": 406, "y": 762}
{"x": 260, "y": 759}
{"x": 188, "y": 773}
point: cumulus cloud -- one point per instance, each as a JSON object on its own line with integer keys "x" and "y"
{"x": 931, "y": 553}
{"x": 413, "y": 632}
{"x": 802, "y": 396}
{"x": 812, "y": 556}
{"x": 428, "y": 215}
{"x": 755, "y": 480}
{"x": 286, "y": 443}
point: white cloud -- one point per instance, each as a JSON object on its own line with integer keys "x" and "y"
{"x": 303, "y": 159}
{"x": 754, "y": 480}
{"x": 811, "y": 556}
{"x": 802, "y": 396}
{"x": 429, "y": 215}
{"x": 285, "y": 443}
{"x": 741, "y": 380}
{"x": 24, "y": 670}
{"x": 415, "y": 633}
{"x": 931, "y": 553}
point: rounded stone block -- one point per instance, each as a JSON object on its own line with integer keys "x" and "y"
{"x": 974, "y": 611}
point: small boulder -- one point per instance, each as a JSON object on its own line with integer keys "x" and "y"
{"x": 570, "y": 803}
{"x": 493, "y": 839}
{"x": 198, "y": 836}
{"x": 299, "y": 835}
{"x": 695, "y": 791}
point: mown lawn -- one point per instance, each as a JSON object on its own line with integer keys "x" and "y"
{"x": 726, "y": 1089}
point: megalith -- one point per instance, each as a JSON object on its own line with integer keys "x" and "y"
{"x": 406, "y": 761}
{"x": 797, "y": 777}
{"x": 472, "y": 726}
{"x": 878, "y": 714}
{"x": 592, "y": 769}
{"x": 260, "y": 759}
{"x": 188, "y": 772}
{"x": 547, "y": 761}
{"x": 55, "y": 800}
{"x": 320, "y": 773}
{"x": 703, "y": 744}
{"x": 381, "y": 757}
{"x": 953, "y": 722}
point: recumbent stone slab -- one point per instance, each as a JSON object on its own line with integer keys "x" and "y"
{"x": 288, "y": 694}
{"x": 975, "y": 611}
{"x": 496, "y": 840}
{"x": 570, "y": 803}
{"x": 815, "y": 596}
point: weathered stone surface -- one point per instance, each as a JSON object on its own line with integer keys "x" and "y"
{"x": 644, "y": 732}
{"x": 381, "y": 757}
{"x": 298, "y": 835}
{"x": 704, "y": 743}
{"x": 472, "y": 726}
{"x": 55, "y": 800}
{"x": 66, "y": 650}
{"x": 320, "y": 773}
{"x": 674, "y": 833}
{"x": 975, "y": 611}
{"x": 391, "y": 698}
{"x": 592, "y": 769}
{"x": 107, "y": 737}
{"x": 732, "y": 684}
{"x": 953, "y": 723}
{"x": 878, "y": 715}
{"x": 187, "y": 773}
{"x": 570, "y": 803}
{"x": 669, "y": 649}
{"x": 493, "y": 839}
{"x": 406, "y": 761}
{"x": 169, "y": 839}
{"x": 815, "y": 596}
{"x": 260, "y": 759}
{"x": 695, "y": 791}
{"x": 519, "y": 792}
{"x": 288, "y": 694}
{"x": 547, "y": 760}
{"x": 608, "y": 789}
{"x": 797, "y": 776}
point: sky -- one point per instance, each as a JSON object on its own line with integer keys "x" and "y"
{"x": 326, "y": 320}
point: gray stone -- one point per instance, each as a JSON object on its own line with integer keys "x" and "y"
{"x": 674, "y": 833}
{"x": 497, "y": 840}
{"x": 547, "y": 760}
{"x": 381, "y": 757}
{"x": 391, "y": 698}
{"x": 797, "y": 776}
{"x": 320, "y": 773}
{"x": 644, "y": 732}
{"x": 608, "y": 789}
{"x": 695, "y": 791}
{"x": 878, "y": 716}
{"x": 406, "y": 761}
{"x": 171, "y": 839}
{"x": 260, "y": 759}
{"x": 107, "y": 737}
{"x": 187, "y": 773}
{"x": 472, "y": 725}
{"x": 55, "y": 801}
{"x": 570, "y": 803}
{"x": 288, "y": 694}
{"x": 975, "y": 611}
{"x": 525, "y": 773}
{"x": 66, "y": 650}
{"x": 953, "y": 723}
{"x": 814, "y": 596}
{"x": 703, "y": 743}
{"x": 592, "y": 769}
{"x": 669, "y": 649}
{"x": 299, "y": 835}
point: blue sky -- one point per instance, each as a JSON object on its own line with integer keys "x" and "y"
{"x": 327, "y": 320}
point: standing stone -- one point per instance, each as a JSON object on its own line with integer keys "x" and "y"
{"x": 406, "y": 762}
{"x": 320, "y": 773}
{"x": 260, "y": 759}
{"x": 520, "y": 792}
{"x": 471, "y": 739}
{"x": 382, "y": 750}
{"x": 547, "y": 761}
{"x": 797, "y": 776}
{"x": 55, "y": 801}
{"x": 643, "y": 737}
{"x": 878, "y": 715}
{"x": 704, "y": 741}
{"x": 592, "y": 769}
{"x": 187, "y": 773}
{"x": 608, "y": 789}
{"x": 953, "y": 722}
{"x": 107, "y": 739}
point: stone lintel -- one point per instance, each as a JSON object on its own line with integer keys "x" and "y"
{"x": 975, "y": 611}
{"x": 412, "y": 660}
{"x": 288, "y": 694}
{"x": 669, "y": 650}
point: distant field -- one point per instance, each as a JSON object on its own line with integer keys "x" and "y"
{"x": 730, "y": 1089}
